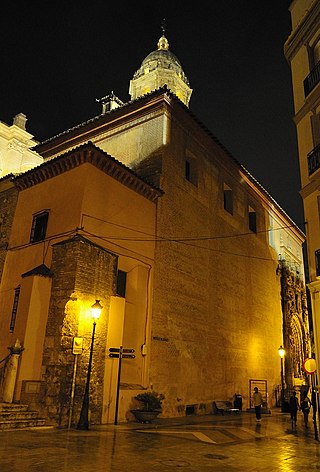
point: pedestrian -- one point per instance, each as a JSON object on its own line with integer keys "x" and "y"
{"x": 257, "y": 403}
{"x": 294, "y": 407}
{"x": 305, "y": 407}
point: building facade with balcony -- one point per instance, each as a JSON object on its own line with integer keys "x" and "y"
{"x": 197, "y": 267}
{"x": 302, "y": 50}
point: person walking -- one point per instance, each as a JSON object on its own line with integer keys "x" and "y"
{"x": 305, "y": 407}
{"x": 294, "y": 407}
{"x": 257, "y": 403}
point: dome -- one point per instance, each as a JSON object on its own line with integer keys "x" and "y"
{"x": 160, "y": 67}
{"x": 162, "y": 58}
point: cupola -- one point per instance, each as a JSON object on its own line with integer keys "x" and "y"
{"x": 161, "y": 67}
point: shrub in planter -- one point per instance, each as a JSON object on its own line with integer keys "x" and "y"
{"x": 150, "y": 401}
{"x": 151, "y": 405}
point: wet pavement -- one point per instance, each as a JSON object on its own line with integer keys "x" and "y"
{"x": 191, "y": 444}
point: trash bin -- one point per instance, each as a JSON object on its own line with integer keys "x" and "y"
{"x": 237, "y": 401}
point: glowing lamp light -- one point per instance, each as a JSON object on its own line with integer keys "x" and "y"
{"x": 281, "y": 352}
{"x": 96, "y": 310}
{"x": 83, "y": 423}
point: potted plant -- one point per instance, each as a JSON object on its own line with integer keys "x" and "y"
{"x": 150, "y": 406}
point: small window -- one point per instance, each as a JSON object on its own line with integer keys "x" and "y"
{"x": 228, "y": 199}
{"x": 121, "y": 283}
{"x": 317, "y": 255}
{"x": 252, "y": 220}
{"x": 191, "y": 171}
{"x": 39, "y": 227}
{"x": 14, "y": 308}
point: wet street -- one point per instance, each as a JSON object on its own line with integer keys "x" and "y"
{"x": 191, "y": 444}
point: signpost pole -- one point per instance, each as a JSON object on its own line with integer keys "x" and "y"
{"x": 77, "y": 347}
{"x": 73, "y": 389}
{"x": 118, "y": 386}
{"x": 119, "y": 353}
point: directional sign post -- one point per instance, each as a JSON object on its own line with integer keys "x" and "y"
{"x": 119, "y": 353}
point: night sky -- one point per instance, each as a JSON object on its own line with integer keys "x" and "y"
{"x": 58, "y": 57}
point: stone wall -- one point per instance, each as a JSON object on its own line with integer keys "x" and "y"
{"x": 82, "y": 273}
{"x": 8, "y": 203}
{"x": 217, "y": 320}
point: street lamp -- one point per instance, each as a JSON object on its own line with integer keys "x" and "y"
{"x": 84, "y": 415}
{"x": 282, "y": 353}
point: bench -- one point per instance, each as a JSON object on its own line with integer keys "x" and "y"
{"x": 222, "y": 407}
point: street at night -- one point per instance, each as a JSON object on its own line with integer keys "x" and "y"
{"x": 192, "y": 444}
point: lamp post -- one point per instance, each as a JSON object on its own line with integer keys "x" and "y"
{"x": 282, "y": 353}
{"x": 83, "y": 423}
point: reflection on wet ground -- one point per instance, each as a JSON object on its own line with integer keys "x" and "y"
{"x": 235, "y": 443}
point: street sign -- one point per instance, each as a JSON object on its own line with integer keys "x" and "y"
{"x": 77, "y": 345}
{"x": 120, "y": 353}
{"x": 116, "y": 352}
{"x": 309, "y": 365}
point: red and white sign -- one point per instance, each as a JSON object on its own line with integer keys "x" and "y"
{"x": 309, "y": 365}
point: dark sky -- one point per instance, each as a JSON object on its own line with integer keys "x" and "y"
{"x": 58, "y": 57}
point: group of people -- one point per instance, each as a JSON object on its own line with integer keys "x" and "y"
{"x": 294, "y": 407}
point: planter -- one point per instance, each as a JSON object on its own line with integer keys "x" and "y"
{"x": 145, "y": 416}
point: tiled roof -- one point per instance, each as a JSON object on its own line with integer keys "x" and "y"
{"x": 158, "y": 92}
{"x": 90, "y": 153}
{"x": 41, "y": 270}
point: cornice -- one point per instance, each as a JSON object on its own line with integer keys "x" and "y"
{"x": 87, "y": 153}
{"x": 152, "y": 102}
{"x": 303, "y": 32}
{"x": 310, "y": 103}
{"x": 86, "y": 131}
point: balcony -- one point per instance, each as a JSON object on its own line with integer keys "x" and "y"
{"x": 311, "y": 80}
{"x": 314, "y": 160}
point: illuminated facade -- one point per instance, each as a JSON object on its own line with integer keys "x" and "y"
{"x": 16, "y": 154}
{"x": 143, "y": 208}
{"x": 302, "y": 50}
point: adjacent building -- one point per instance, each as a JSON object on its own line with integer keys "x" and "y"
{"x": 197, "y": 267}
{"x": 302, "y": 50}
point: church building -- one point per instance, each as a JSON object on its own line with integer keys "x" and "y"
{"x": 198, "y": 270}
